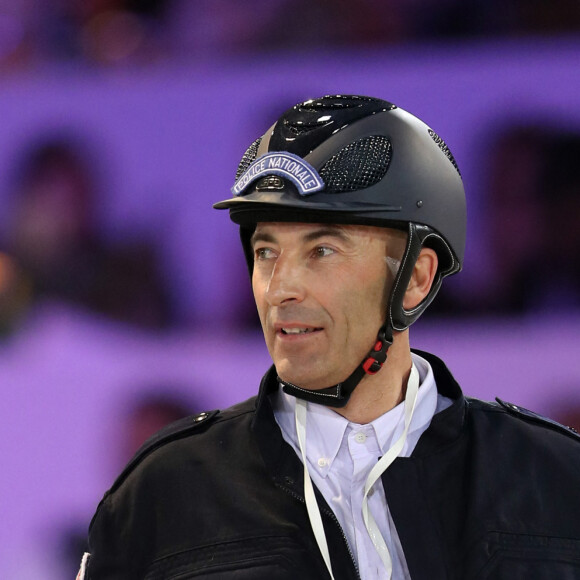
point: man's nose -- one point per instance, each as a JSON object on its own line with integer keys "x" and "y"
{"x": 286, "y": 283}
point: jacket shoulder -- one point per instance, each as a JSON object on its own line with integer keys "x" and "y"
{"x": 526, "y": 416}
{"x": 191, "y": 426}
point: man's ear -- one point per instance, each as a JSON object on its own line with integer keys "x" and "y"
{"x": 422, "y": 278}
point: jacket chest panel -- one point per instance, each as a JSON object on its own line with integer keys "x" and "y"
{"x": 250, "y": 558}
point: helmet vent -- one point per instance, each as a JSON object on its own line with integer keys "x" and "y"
{"x": 248, "y": 157}
{"x": 441, "y": 144}
{"x": 300, "y": 128}
{"x": 359, "y": 165}
{"x": 333, "y": 102}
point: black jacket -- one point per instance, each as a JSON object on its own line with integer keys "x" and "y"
{"x": 490, "y": 492}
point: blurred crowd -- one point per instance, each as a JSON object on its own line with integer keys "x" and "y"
{"x": 52, "y": 249}
{"x": 531, "y": 216}
{"x": 156, "y": 406}
{"x": 113, "y": 32}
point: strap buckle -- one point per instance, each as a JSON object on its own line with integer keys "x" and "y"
{"x": 378, "y": 355}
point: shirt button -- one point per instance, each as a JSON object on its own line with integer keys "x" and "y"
{"x": 322, "y": 462}
{"x": 360, "y": 437}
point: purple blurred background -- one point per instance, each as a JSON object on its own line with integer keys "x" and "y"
{"x": 123, "y": 125}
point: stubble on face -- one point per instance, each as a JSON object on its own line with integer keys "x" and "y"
{"x": 321, "y": 294}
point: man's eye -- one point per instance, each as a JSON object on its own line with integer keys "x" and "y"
{"x": 263, "y": 253}
{"x": 323, "y": 251}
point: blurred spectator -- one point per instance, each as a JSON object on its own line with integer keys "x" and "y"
{"x": 143, "y": 416}
{"x": 226, "y": 27}
{"x": 516, "y": 213}
{"x": 56, "y": 252}
{"x": 557, "y": 266}
{"x": 538, "y": 16}
{"x": 533, "y": 210}
{"x": 15, "y": 294}
{"x": 103, "y": 31}
{"x": 137, "y": 32}
{"x": 155, "y": 408}
{"x": 17, "y": 25}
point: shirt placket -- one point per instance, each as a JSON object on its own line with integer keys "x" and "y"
{"x": 364, "y": 451}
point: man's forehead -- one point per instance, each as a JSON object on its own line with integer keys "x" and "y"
{"x": 272, "y": 229}
{"x": 300, "y": 229}
{"x": 298, "y": 226}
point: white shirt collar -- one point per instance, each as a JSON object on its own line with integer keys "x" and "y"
{"x": 326, "y": 428}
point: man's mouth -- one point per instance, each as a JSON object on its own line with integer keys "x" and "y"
{"x": 298, "y": 330}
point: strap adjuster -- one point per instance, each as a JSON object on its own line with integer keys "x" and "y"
{"x": 378, "y": 355}
{"x": 372, "y": 366}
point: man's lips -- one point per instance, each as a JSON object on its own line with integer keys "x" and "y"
{"x": 298, "y": 330}
{"x": 295, "y": 329}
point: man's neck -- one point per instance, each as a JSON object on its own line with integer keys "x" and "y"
{"x": 379, "y": 393}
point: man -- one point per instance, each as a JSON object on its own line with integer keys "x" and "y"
{"x": 358, "y": 458}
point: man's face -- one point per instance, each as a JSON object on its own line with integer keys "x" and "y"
{"x": 321, "y": 292}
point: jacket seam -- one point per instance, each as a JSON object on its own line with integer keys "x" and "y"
{"x": 534, "y": 422}
{"x": 177, "y": 436}
{"x": 231, "y": 540}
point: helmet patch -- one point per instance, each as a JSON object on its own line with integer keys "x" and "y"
{"x": 283, "y": 164}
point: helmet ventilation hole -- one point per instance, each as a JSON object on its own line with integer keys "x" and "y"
{"x": 441, "y": 144}
{"x": 359, "y": 165}
{"x": 300, "y": 128}
{"x": 248, "y": 157}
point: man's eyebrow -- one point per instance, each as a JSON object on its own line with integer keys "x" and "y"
{"x": 261, "y": 237}
{"x": 324, "y": 231}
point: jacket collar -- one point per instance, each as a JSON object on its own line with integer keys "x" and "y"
{"x": 284, "y": 467}
{"x": 445, "y": 426}
{"x": 448, "y": 424}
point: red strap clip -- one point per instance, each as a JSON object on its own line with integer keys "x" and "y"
{"x": 372, "y": 366}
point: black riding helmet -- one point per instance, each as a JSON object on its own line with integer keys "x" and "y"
{"x": 348, "y": 159}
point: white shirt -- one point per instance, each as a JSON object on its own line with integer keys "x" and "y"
{"x": 340, "y": 455}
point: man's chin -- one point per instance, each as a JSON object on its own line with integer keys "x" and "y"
{"x": 298, "y": 379}
{"x": 305, "y": 381}
{"x": 312, "y": 377}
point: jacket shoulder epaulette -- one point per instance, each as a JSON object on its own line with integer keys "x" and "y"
{"x": 172, "y": 432}
{"x": 532, "y": 417}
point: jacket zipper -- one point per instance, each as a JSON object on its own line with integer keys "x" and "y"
{"x": 333, "y": 517}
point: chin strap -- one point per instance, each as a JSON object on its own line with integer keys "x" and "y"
{"x": 398, "y": 318}
{"x": 338, "y": 395}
